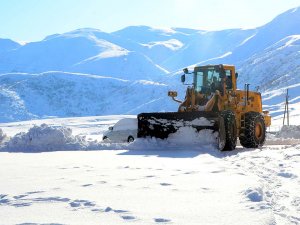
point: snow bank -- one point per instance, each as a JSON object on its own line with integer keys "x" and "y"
{"x": 288, "y": 135}
{"x": 292, "y": 131}
{"x": 56, "y": 138}
{"x": 46, "y": 138}
{"x": 189, "y": 135}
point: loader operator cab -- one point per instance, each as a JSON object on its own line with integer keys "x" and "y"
{"x": 207, "y": 80}
{"x": 212, "y": 78}
{"x": 208, "y": 84}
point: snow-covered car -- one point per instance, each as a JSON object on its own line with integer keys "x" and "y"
{"x": 125, "y": 130}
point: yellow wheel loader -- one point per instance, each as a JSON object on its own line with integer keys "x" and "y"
{"x": 213, "y": 95}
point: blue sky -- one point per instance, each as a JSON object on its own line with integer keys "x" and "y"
{"x": 32, "y": 20}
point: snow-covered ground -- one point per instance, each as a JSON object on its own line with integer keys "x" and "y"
{"x": 145, "y": 182}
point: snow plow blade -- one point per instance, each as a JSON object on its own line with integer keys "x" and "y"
{"x": 160, "y": 125}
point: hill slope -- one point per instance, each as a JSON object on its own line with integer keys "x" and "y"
{"x": 27, "y": 96}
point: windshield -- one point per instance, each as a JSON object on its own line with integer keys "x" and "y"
{"x": 207, "y": 79}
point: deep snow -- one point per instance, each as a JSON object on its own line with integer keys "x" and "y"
{"x": 178, "y": 181}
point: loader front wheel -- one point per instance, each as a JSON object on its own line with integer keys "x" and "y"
{"x": 130, "y": 139}
{"x": 253, "y": 134}
{"x": 230, "y": 130}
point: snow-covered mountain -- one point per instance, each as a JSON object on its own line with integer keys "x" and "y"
{"x": 130, "y": 70}
{"x": 276, "y": 67}
{"x": 83, "y": 50}
{"x": 274, "y": 70}
{"x": 7, "y": 45}
{"x": 176, "y": 48}
{"x": 284, "y": 25}
{"x": 24, "y": 96}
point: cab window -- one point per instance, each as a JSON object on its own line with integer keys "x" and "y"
{"x": 228, "y": 79}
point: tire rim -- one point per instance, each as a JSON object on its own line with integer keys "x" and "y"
{"x": 258, "y": 131}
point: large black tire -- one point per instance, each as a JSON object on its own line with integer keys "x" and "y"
{"x": 253, "y": 135}
{"x": 230, "y": 130}
{"x": 130, "y": 139}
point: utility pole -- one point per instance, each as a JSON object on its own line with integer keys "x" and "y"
{"x": 286, "y": 108}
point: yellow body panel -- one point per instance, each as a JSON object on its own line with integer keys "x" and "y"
{"x": 236, "y": 102}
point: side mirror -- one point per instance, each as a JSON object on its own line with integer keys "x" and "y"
{"x": 236, "y": 75}
{"x": 110, "y": 128}
{"x": 186, "y": 71}
{"x": 172, "y": 94}
{"x": 183, "y": 78}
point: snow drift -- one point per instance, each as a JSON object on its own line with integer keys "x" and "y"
{"x": 184, "y": 138}
{"x": 292, "y": 131}
{"x": 46, "y": 138}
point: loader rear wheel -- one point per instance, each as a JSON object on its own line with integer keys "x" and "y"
{"x": 230, "y": 130}
{"x": 253, "y": 135}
